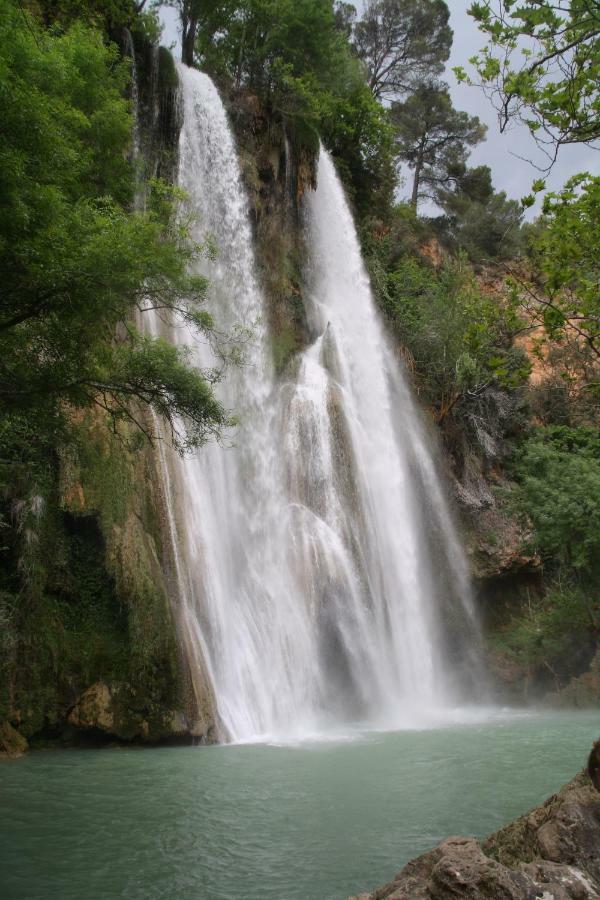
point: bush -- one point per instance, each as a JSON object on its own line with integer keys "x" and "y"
{"x": 558, "y": 474}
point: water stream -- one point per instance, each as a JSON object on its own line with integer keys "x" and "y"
{"x": 315, "y": 555}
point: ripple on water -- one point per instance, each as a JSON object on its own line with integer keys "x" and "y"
{"x": 317, "y": 819}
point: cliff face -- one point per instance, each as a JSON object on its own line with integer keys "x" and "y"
{"x": 550, "y": 853}
{"x": 540, "y": 643}
{"x": 90, "y": 647}
{"x": 94, "y": 652}
{"x": 277, "y": 170}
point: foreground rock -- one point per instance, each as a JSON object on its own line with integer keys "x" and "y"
{"x": 551, "y": 853}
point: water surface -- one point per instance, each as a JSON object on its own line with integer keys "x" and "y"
{"x": 316, "y": 821}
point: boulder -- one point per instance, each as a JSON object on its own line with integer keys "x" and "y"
{"x": 93, "y": 709}
{"x": 118, "y": 712}
{"x": 551, "y": 853}
{"x": 12, "y": 744}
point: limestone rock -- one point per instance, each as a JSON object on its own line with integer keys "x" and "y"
{"x": 583, "y": 691}
{"x": 94, "y": 709}
{"x": 552, "y": 853}
{"x": 117, "y": 711}
{"x": 12, "y": 744}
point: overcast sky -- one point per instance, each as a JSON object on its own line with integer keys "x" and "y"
{"x": 509, "y": 173}
{"x": 499, "y": 151}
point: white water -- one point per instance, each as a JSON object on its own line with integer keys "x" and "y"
{"x": 305, "y": 553}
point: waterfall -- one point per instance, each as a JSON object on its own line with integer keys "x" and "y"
{"x": 308, "y": 551}
{"x": 135, "y": 93}
{"x": 358, "y": 448}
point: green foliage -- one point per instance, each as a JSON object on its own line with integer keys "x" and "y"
{"x": 292, "y": 54}
{"x": 567, "y": 253}
{"x": 459, "y": 338}
{"x": 433, "y": 137}
{"x": 558, "y": 474}
{"x": 542, "y": 65}
{"x": 479, "y": 220}
{"x": 554, "y": 632}
{"x": 402, "y": 43}
{"x": 75, "y": 262}
{"x": 81, "y": 593}
{"x": 248, "y": 39}
{"x": 109, "y": 15}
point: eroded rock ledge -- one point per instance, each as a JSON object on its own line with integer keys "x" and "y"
{"x": 551, "y": 853}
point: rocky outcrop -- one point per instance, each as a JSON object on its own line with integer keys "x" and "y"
{"x": 12, "y": 744}
{"x": 584, "y": 691}
{"x": 114, "y": 712}
{"x": 551, "y": 853}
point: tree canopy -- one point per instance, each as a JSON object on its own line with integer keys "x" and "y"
{"x": 402, "y": 42}
{"x": 542, "y": 66}
{"x": 478, "y": 219}
{"x": 76, "y": 263}
{"x": 432, "y": 137}
{"x": 566, "y": 253}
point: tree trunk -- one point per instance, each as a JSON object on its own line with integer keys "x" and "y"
{"x": 416, "y": 181}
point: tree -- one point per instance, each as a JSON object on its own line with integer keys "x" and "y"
{"x": 433, "y": 137}
{"x": 190, "y": 13}
{"x": 478, "y": 219}
{"x": 459, "y": 339}
{"x": 564, "y": 297}
{"x": 254, "y": 42}
{"x": 402, "y": 42}
{"x": 345, "y": 18}
{"x": 112, "y": 15}
{"x": 542, "y": 66}
{"x": 76, "y": 264}
{"x": 558, "y": 474}
{"x": 294, "y": 55}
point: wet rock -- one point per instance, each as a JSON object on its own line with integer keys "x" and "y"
{"x": 117, "y": 712}
{"x": 583, "y": 691}
{"x": 551, "y": 853}
{"x": 93, "y": 709}
{"x": 12, "y": 744}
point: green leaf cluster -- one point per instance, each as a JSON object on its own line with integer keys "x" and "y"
{"x": 567, "y": 254}
{"x": 296, "y": 58}
{"x": 558, "y": 474}
{"x": 459, "y": 338}
{"x": 77, "y": 265}
{"x": 479, "y": 220}
{"x": 554, "y": 632}
{"x": 542, "y": 65}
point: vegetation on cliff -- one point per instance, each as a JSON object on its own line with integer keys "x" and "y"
{"x": 82, "y": 593}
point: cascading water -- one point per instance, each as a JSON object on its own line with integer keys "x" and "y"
{"x": 377, "y": 521}
{"x": 303, "y": 553}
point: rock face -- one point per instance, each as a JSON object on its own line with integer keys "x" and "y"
{"x": 551, "y": 853}
{"x": 583, "y": 691}
{"x": 114, "y": 712}
{"x": 12, "y": 744}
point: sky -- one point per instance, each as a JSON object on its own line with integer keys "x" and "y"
{"x": 500, "y": 152}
